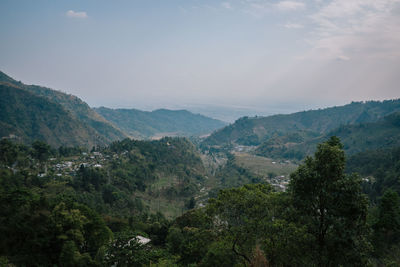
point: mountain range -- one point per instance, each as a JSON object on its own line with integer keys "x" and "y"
{"x": 256, "y": 130}
{"x": 382, "y": 134}
{"x": 145, "y": 124}
{"x": 31, "y": 112}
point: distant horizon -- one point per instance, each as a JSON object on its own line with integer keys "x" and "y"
{"x": 224, "y": 112}
{"x": 269, "y": 55}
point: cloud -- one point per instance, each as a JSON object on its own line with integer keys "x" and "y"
{"x": 354, "y": 52}
{"x": 293, "y": 26}
{"x": 364, "y": 28}
{"x": 343, "y": 58}
{"x": 226, "y": 5}
{"x": 289, "y": 5}
{"x": 76, "y": 14}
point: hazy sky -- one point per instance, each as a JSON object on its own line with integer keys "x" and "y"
{"x": 243, "y": 52}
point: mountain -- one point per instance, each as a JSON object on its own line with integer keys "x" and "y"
{"x": 26, "y": 117}
{"x": 144, "y": 124}
{"x": 356, "y": 138}
{"x": 101, "y": 128}
{"x": 256, "y": 130}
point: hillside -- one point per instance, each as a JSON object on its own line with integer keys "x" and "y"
{"x": 28, "y": 117}
{"x": 105, "y": 131}
{"x": 256, "y": 130}
{"x": 384, "y": 133}
{"x": 144, "y": 124}
{"x": 95, "y": 208}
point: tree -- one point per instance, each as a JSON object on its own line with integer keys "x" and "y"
{"x": 41, "y": 150}
{"x": 191, "y": 204}
{"x": 332, "y": 206}
{"x": 387, "y": 227}
{"x": 254, "y": 215}
{"x": 126, "y": 250}
{"x": 239, "y": 217}
{"x": 8, "y": 152}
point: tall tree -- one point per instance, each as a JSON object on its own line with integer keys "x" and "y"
{"x": 332, "y": 206}
{"x": 387, "y": 227}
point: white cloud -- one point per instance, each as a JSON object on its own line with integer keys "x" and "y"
{"x": 226, "y": 5}
{"x": 343, "y": 58}
{"x": 289, "y": 5}
{"x": 354, "y": 55}
{"x": 366, "y": 28}
{"x": 293, "y": 26}
{"x": 76, "y": 14}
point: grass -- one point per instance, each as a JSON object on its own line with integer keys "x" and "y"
{"x": 264, "y": 166}
{"x": 170, "y": 208}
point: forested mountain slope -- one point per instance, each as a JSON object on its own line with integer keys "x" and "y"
{"x": 144, "y": 124}
{"x": 104, "y": 130}
{"x": 26, "y": 117}
{"x": 384, "y": 133}
{"x": 67, "y": 201}
{"x": 255, "y": 130}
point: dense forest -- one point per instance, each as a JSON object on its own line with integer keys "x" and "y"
{"x": 299, "y": 127}
{"x": 313, "y": 188}
{"x": 145, "y": 124}
{"x": 77, "y": 108}
{"x": 356, "y": 138}
{"x": 74, "y": 207}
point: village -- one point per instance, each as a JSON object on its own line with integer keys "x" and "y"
{"x": 68, "y": 166}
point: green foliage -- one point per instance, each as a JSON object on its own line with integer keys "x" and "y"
{"x": 241, "y": 212}
{"x": 143, "y": 124}
{"x": 34, "y": 232}
{"x": 101, "y": 131}
{"x": 279, "y": 146}
{"x": 387, "y": 227}
{"x": 380, "y": 167}
{"x": 254, "y": 131}
{"x": 232, "y": 175}
{"x": 126, "y": 250}
{"x": 8, "y": 152}
{"x": 332, "y": 206}
{"x": 232, "y": 225}
{"x": 380, "y": 134}
{"x": 41, "y": 150}
{"x": 174, "y": 160}
{"x": 68, "y": 151}
{"x": 190, "y": 236}
{"x": 25, "y": 117}
{"x": 90, "y": 216}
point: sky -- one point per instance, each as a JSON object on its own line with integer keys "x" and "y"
{"x": 268, "y": 55}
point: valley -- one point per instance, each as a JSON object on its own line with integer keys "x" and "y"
{"x": 246, "y": 133}
{"x": 81, "y": 176}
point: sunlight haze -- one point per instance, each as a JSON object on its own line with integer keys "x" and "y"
{"x": 257, "y": 53}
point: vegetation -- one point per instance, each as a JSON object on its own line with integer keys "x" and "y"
{"x": 143, "y": 124}
{"x": 26, "y": 117}
{"x": 94, "y": 216}
{"x": 383, "y": 133}
{"x": 266, "y": 167}
{"x": 162, "y": 203}
{"x": 69, "y": 213}
{"x": 256, "y": 130}
{"x": 81, "y": 111}
{"x": 254, "y": 224}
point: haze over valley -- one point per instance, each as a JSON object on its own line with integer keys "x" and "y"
{"x": 200, "y": 133}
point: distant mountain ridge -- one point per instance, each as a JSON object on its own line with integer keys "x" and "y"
{"x": 257, "y": 130}
{"x": 83, "y": 125}
{"x": 146, "y": 124}
{"x": 356, "y": 138}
